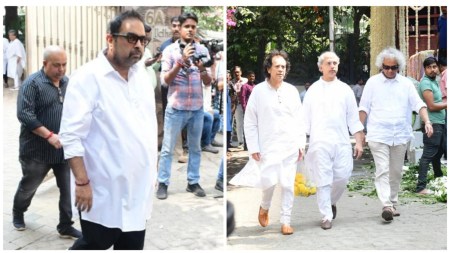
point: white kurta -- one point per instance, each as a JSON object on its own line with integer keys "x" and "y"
{"x": 15, "y": 69}
{"x": 111, "y": 123}
{"x": 5, "y": 57}
{"x": 274, "y": 127}
{"x": 330, "y": 113}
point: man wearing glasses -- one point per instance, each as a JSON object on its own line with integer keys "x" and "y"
{"x": 109, "y": 134}
{"x": 330, "y": 114}
{"x": 39, "y": 109}
{"x": 387, "y": 102}
{"x": 184, "y": 76}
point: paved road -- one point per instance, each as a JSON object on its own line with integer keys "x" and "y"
{"x": 358, "y": 225}
{"x": 182, "y": 221}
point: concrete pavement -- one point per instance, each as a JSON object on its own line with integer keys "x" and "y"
{"x": 358, "y": 225}
{"x": 181, "y": 222}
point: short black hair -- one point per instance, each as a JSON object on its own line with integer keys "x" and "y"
{"x": 187, "y": 15}
{"x": 147, "y": 28}
{"x": 116, "y": 23}
{"x": 174, "y": 19}
{"x": 428, "y": 61}
{"x": 268, "y": 61}
{"x": 250, "y": 72}
{"x": 442, "y": 61}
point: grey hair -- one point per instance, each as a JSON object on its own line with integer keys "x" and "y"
{"x": 391, "y": 53}
{"x": 327, "y": 54}
{"x": 48, "y": 51}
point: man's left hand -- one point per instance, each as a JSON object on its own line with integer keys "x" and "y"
{"x": 358, "y": 151}
{"x": 429, "y": 130}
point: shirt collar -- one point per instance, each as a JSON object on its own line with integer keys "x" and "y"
{"x": 106, "y": 67}
{"x": 62, "y": 82}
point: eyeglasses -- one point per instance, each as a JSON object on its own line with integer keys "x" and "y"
{"x": 394, "y": 68}
{"x": 133, "y": 38}
{"x": 61, "y": 98}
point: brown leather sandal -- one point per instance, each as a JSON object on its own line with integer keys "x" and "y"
{"x": 263, "y": 217}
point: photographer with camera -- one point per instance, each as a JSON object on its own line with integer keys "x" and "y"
{"x": 183, "y": 71}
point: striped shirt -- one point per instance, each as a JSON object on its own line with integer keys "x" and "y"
{"x": 40, "y": 104}
{"x": 185, "y": 91}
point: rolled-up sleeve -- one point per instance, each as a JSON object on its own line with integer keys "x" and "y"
{"x": 76, "y": 117}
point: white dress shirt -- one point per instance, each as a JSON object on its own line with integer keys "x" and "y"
{"x": 331, "y": 112}
{"x": 111, "y": 123}
{"x": 389, "y": 104}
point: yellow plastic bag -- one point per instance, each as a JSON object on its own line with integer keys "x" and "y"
{"x": 303, "y": 185}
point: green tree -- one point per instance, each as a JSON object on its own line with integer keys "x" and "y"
{"x": 210, "y": 17}
{"x": 301, "y": 31}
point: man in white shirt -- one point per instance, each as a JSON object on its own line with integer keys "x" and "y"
{"x": 387, "y": 102}
{"x": 330, "y": 113}
{"x": 5, "y": 61}
{"x": 239, "y": 112}
{"x": 16, "y": 59}
{"x": 109, "y": 135}
{"x": 274, "y": 130}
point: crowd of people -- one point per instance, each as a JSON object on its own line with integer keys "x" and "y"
{"x": 378, "y": 112}
{"x": 100, "y": 124}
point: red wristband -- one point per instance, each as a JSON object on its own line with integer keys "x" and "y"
{"x": 77, "y": 184}
{"x": 49, "y": 135}
{"x": 179, "y": 63}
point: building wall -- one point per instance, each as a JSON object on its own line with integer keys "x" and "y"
{"x": 79, "y": 29}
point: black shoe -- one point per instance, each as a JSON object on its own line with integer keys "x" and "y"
{"x": 70, "y": 233}
{"x": 196, "y": 189}
{"x": 18, "y": 222}
{"x": 219, "y": 185}
{"x": 209, "y": 148}
{"x": 333, "y": 208}
{"x": 215, "y": 143}
{"x": 162, "y": 191}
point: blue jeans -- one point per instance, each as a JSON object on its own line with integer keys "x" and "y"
{"x": 174, "y": 121}
{"x": 220, "y": 174}
{"x": 433, "y": 149}
{"x": 211, "y": 125}
{"x": 34, "y": 173}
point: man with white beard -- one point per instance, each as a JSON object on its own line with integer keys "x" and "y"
{"x": 16, "y": 59}
{"x": 330, "y": 113}
{"x": 274, "y": 130}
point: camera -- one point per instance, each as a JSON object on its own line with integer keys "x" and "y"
{"x": 203, "y": 58}
{"x": 199, "y": 57}
{"x": 214, "y": 46}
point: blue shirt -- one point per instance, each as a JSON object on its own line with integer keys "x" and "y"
{"x": 442, "y": 29}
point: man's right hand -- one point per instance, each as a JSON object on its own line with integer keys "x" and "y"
{"x": 256, "y": 156}
{"x": 83, "y": 197}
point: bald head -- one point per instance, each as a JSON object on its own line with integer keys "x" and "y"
{"x": 53, "y": 49}
{"x": 55, "y": 61}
